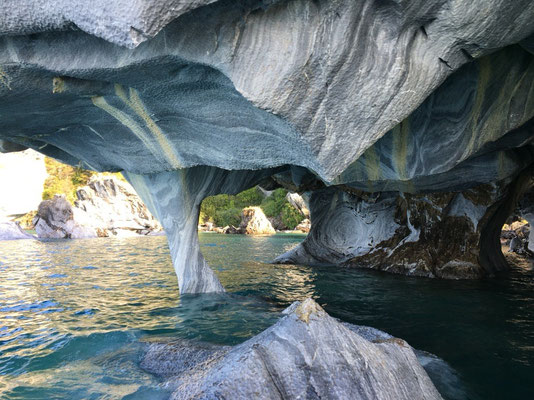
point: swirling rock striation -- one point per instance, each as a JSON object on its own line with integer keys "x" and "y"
{"x": 412, "y": 97}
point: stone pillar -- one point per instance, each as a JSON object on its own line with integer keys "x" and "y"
{"x": 174, "y": 197}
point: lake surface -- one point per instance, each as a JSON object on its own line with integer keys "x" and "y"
{"x": 74, "y": 314}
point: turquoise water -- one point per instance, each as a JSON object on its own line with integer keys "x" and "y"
{"x": 73, "y": 314}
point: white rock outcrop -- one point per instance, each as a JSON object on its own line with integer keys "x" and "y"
{"x": 254, "y": 222}
{"x": 105, "y": 207}
{"x": 112, "y": 208}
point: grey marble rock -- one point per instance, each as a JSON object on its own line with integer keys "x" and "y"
{"x": 413, "y": 96}
{"x": 12, "y": 231}
{"x": 55, "y": 220}
{"x": 306, "y": 354}
{"x": 174, "y": 197}
{"x": 22, "y": 176}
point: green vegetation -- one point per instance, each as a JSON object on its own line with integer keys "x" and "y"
{"x": 64, "y": 179}
{"x": 225, "y": 210}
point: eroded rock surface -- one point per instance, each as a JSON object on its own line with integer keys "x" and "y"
{"x": 414, "y": 97}
{"x": 306, "y": 354}
{"x": 433, "y": 235}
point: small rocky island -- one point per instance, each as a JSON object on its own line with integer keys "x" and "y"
{"x": 407, "y": 126}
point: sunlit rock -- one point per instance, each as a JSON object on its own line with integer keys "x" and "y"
{"x": 112, "y": 208}
{"x": 254, "y": 222}
{"x": 304, "y": 226}
{"x": 55, "y": 220}
{"x": 306, "y": 354}
{"x": 297, "y": 201}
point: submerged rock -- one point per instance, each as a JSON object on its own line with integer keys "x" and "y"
{"x": 306, "y": 354}
{"x": 254, "y": 222}
{"x": 12, "y": 231}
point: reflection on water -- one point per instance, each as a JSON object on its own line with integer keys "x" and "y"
{"x": 72, "y": 313}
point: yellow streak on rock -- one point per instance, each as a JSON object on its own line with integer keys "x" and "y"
{"x": 4, "y": 79}
{"x": 501, "y": 163}
{"x": 372, "y": 164}
{"x": 307, "y": 308}
{"x": 484, "y": 77}
{"x": 400, "y": 148}
{"x": 127, "y": 121}
{"x": 135, "y": 103}
{"x": 58, "y": 85}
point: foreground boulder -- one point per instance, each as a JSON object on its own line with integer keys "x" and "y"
{"x": 254, "y": 222}
{"x": 306, "y": 354}
{"x": 12, "y": 231}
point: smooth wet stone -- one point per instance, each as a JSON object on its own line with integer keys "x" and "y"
{"x": 306, "y": 354}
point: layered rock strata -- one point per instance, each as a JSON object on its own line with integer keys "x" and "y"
{"x": 306, "y": 354}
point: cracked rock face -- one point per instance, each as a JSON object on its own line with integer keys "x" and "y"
{"x": 413, "y": 96}
{"x": 306, "y": 354}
